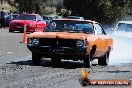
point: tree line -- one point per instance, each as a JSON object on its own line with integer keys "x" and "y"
{"x": 107, "y": 11}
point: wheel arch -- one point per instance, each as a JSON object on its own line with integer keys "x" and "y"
{"x": 93, "y": 50}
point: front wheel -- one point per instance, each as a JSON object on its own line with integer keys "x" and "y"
{"x": 36, "y": 58}
{"x": 87, "y": 61}
{"x": 104, "y": 60}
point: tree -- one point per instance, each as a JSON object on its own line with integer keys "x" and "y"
{"x": 28, "y": 5}
{"x": 104, "y": 11}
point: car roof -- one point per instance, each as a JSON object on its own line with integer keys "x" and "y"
{"x": 30, "y": 14}
{"x": 126, "y": 22}
{"x": 64, "y": 19}
{"x": 14, "y": 14}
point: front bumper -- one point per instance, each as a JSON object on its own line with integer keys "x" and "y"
{"x": 16, "y": 28}
{"x": 48, "y": 51}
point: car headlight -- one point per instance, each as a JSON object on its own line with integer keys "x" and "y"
{"x": 11, "y": 23}
{"x": 35, "y": 41}
{"x": 30, "y": 24}
{"x": 29, "y": 40}
{"x": 79, "y": 43}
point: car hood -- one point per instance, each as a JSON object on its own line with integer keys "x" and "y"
{"x": 65, "y": 35}
{"x": 23, "y": 21}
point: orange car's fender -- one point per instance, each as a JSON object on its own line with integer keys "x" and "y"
{"x": 90, "y": 43}
{"x": 109, "y": 41}
{"x": 99, "y": 43}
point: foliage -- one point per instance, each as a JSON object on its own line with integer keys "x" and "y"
{"x": 104, "y": 11}
{"x": 29, "y": 6}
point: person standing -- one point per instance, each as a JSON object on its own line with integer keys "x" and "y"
{"x": 3, "y": 17}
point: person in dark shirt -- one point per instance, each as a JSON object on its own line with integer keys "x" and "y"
{"x": 2, "y": 17}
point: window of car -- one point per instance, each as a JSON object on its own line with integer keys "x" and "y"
{"x": 39, "y": 18}
{"x": 26, "y": 17}
{"x": 68, "y": 25}
{"x": 45, "y": 17}
{"x": 9, "y": 17}
{"x": 124, "y": 27}
{"x": 98, "y": 29}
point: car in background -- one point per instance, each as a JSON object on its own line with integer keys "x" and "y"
{"x": 48, "y": 18}
{"x": 75, "y": 17}
{"x": 9, "y": 18}
{"x": 71, "y": 39}
{"x": 123, "y": 29}
{"x": 124, "y": 26}
{"x": 33, "y": 22}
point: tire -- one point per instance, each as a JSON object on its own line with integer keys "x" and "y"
{"x": 87, "y": 61}
{"x": 55, "y": 60}
{"x": 104, "y": 60}
{"x": 10, "y": 31}
{"x": 36, "y": 58}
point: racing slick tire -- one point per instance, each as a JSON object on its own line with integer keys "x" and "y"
{"x": 36, "y": 58}
{"x": 104, "y": 60}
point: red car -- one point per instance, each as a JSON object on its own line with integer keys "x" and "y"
{"x": 33, "y": 22}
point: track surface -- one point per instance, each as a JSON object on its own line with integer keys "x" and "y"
{"x": 17, "y": 71}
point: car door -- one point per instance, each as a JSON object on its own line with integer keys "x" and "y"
{"x": 101, "y": 41}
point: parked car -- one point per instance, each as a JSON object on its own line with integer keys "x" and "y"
{"x": 75, "y": 17}
{"x": 9, "y": 18}
{"x": 71, "y": 39}
{"x": 124, "y": 26}
{"x": 33, "y": 22}
{"x": 48, "y": 18}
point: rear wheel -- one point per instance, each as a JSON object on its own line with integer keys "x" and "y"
{"x": 87, "y": 61}
{"x": 36, "y": 58}
{"x": 104, "y": 60}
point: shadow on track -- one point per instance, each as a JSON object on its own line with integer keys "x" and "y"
{"x": 47, "y": 63}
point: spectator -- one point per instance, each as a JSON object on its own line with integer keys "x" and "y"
{"x": 2, "y": 16}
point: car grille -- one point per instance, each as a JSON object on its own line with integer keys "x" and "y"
{"x": 57, "y": 42}
{"x": 19, "y": 25}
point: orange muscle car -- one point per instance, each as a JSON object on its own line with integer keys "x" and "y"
{"x": 71, "y": 39}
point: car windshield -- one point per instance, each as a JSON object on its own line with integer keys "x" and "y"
{"x": 75, "y": 17}
{"x": 49, "y": 17}
{"x": 45, "y": 18}
{"x": 26, "y": 17}
{"x": 70, "y": 26}
{"x": 11, "y": 16}
{"x": 124, "y": 27}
